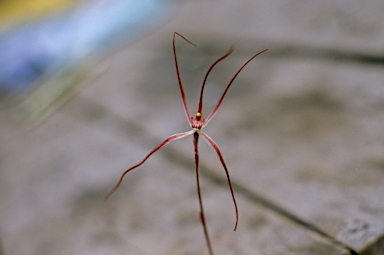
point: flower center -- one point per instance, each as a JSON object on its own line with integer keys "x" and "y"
{"x": 198, "y": 121}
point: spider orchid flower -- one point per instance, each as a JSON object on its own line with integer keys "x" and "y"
{"x": 197, "y": 123}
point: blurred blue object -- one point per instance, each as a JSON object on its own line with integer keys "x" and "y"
{"x": 46, "y": 47}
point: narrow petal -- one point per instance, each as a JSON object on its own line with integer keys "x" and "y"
{"x": 216, "y": 148}
{"x": 179, "y": 79}
{"x": 225, "y": 91}
{"x": 166, "y": 141}
{"x": 200, "y": 109}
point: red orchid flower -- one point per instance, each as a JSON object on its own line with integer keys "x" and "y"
{"x": 197, "y": 123}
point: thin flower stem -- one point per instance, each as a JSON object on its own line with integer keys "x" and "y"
{"x": 202, "y": 215}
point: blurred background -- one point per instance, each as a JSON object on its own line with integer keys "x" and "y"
{"x": 88, "y": 88}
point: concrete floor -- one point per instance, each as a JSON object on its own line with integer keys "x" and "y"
{"x": 300, "y": 131}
